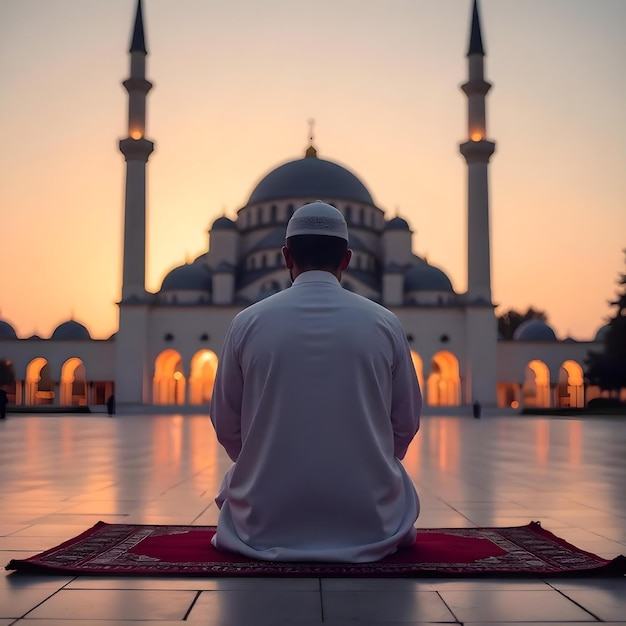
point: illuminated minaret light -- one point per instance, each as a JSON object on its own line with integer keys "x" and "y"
{"x": 136, "y": 150}
{"x": 477, "y": 151}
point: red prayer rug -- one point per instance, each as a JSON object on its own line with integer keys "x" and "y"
{"x": 134, "y": 550}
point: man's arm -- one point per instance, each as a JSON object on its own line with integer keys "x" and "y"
{"x": 227, "y": 396}
{"x": 406, "y": 399}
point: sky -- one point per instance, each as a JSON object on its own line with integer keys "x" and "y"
{"x": 235, "y": 84}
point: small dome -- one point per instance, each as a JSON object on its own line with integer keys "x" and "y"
{"x": 602, "y": 333}
{"x": 194, "y": 277}
{"x": 534, "y": 330}
{"x": 310, "y": 178}
{"x": 7, "y": 331}
{"x": 397, "y": 223}
{"x": 71, "y": 330}
{"x": 425, "y": 277}
{"x": 223, "y": 223}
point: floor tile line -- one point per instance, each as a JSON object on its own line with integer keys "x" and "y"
{"x": 193, "y": 603}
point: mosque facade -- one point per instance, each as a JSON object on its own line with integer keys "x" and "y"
{"x": 168, "y": 344}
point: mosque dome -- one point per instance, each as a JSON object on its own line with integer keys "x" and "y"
{"x": 7, "y": 331}
{"x": 188, "y": 277}
{"x": 223, "y": 223}
{"x": 600, "y": 335}
{"x": 534, "y": 330}
{"x": 310, "y": 177}
{"x": 397, "y": 223}
{"x": 70, "y": 330}
{"x": 425, "y": 277}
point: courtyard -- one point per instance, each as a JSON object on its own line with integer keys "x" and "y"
{"x": 63, "y": 473}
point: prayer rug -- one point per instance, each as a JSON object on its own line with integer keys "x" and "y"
{"x": 134, "y": 550}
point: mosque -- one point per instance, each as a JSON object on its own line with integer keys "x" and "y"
{"x": 168, "y": 344}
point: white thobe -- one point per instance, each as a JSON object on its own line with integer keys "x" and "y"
{"x": 316, "y": 401}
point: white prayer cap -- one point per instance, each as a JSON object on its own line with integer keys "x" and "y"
{"x": 317, "y": 218}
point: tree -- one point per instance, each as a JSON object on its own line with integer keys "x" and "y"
{"x": 7, "y": 373}
{"x": 509, "y": 321}
{"x": 607, "y": 369}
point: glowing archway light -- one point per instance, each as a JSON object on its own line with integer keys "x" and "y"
{"x": 476, "y": 136}
{"x": 136, "y": 134}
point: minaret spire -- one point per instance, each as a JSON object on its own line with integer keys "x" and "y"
{"x": 138, "y": 43}
{"x": 476, "y": 39}
{"x": 136, "y": 149}
{"x": 477, "y": 152}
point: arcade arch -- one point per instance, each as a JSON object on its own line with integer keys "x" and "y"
{"x": 419, "y": 368}
{"x": 536, "y": 387}
{"x": 570, "y": 389}
{"x": 202, "y": 377}
{"x": 168, "y": 384}
{"x": 73, "y": 388}
{"x": 39, "y": 384}
{"x": 444, "y": 383}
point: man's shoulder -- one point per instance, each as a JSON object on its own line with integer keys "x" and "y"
{"x": 368, "y": 305}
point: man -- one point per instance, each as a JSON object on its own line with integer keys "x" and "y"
{"x": 316, "y": 400}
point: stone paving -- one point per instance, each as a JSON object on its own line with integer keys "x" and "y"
{"x": 60, "y": 474}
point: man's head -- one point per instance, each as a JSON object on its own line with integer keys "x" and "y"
{"x": 317, "y": 239}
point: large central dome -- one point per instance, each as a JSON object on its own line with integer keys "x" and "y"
{"x": 311, "y": 177}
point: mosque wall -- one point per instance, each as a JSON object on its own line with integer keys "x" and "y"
{"x": 432, "y": 330}
{"x": 97, "y": 355}
{"x": 514, "y": 356}
{"x": 188, "y": 329}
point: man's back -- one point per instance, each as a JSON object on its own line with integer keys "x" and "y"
{"x": 315, "y": 400}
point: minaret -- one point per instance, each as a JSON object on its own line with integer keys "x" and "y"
{"x": 480, "y": 362}
{"x": 132, "y": 369}
{"x": 477, "y": 151}
{"x": 136, "y": 150}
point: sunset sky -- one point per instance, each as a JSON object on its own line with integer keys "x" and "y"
{"x": 235, "y": 83}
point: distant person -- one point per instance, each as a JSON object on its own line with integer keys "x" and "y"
{"x": 316, "y": 401}
{"x": 4, "y": 399}
{"x": 111, "y": 405}
{"x": 476, "y": 409}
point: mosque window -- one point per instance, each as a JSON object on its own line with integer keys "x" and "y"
{"x": 259, "y": 216}
{"x": 348, "y": 213}
{"x": 290, "y": 209}
{"x": 264, "y": 261}
{"x": 361, "y": 216}
{"x": 252, "y": 263}
{"x": 279, "y": 259}
{"x": 372, "y": 220}
{"x": 273, "y": 213}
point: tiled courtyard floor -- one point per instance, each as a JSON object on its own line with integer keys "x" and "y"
{"x": 60, "y": 474}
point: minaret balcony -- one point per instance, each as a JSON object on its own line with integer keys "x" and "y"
{"x": 136, "y": 149}
{"x": 476, "y": 88}
{"x": 137, "y": 85}
{"x": 477, "y": 151}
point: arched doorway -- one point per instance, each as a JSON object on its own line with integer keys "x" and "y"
{"x": 418, "y": 364}
{"x": 73, "y": 390}
{"x": 536, "y": 387}
{"x": 39, "y": 384}
{"x": 168, "y": 385}
{"x": 202, "y": 376}
{"x": 570, "y": 390}
{"x": 444, "y": 383}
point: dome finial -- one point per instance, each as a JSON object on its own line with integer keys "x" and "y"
{"x": 311, "y": 152}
